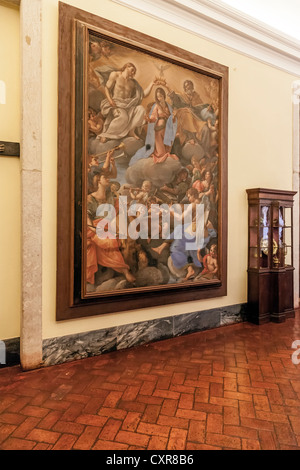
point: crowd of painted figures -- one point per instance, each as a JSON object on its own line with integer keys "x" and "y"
{"x": 174, "y": 163}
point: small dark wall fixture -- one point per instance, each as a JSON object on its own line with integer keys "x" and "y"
{"x": 9, "y": 149}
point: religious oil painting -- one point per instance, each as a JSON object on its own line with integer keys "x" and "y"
{"x": 149, "y": 171}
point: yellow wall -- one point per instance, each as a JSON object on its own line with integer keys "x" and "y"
{"x": 10, "y": 267}
{"x": 260, "y": 154}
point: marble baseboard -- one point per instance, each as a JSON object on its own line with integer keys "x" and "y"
{"x": 197, "y": 321}
{"x": 137, "y": 334}
{"x": 94, "y": 343}
{"x": 233, "y": 314}
{"x": 74, "y": 347}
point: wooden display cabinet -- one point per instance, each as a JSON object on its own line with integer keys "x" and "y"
{"x": 270, "y": 255}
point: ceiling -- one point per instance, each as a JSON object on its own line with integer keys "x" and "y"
{"x": 282, "y": 15}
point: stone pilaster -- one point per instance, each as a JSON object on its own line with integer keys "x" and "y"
{"x": 31, "y": 177}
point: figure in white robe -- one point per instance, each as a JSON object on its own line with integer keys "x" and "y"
{"x": 122, "y": 107}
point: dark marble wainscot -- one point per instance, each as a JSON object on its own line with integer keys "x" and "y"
{"x": 137, "y": 334}
{"x": 196, "y": 321}
{"x": 79, "y": 346}
{"x": 73, "y": 347}
{"x": 233, "y": 314}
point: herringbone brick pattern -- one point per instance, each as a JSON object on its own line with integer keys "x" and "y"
{"x": 230, "y": 388}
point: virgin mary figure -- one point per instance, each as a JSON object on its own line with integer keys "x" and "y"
{"x": 161, "y": 132}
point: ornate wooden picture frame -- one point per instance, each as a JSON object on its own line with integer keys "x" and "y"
{"x": 142, "y": 170}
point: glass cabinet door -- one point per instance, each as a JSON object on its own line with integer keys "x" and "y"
{"x": 253, "y": 236}
{"x": 285, "y": 240}
{"x": 282, "y": 236}
{"x": 259, "y": 236}
{"x": 277, "y": 224}
{"x": 264, "y": 236}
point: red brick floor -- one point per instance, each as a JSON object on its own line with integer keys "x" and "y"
{"x": 235, "y": 387}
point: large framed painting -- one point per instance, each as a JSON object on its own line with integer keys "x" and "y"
{"x": 142, "y": 170}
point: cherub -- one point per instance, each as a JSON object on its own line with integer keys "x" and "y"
{"x": 141, "y": 195}
{"x": 94, "y": 162}
{"x": 95, "y": 122}
{"x": 210, "y": 263}
{"x": 199, "y": 168}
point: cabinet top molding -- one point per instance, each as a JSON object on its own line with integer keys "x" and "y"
{"x": 272, "y": 194}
